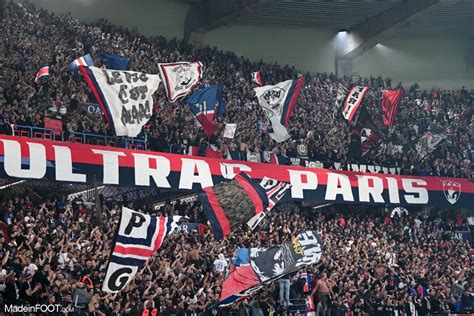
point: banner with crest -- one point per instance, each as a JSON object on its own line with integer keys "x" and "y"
{"x": 278, "y": 102}
{"x": 179, "y": 78}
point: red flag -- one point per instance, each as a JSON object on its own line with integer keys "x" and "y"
{"x": 54, "y": 124}
{"x": 390, "y": 101}
{"x": 213, "y": 152}
{"x": 209, "y": 127}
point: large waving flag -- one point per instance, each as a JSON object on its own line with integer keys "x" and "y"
{"x": 430, "y": 141}
{"x": 365, "y": 135}
{"x": 179, "y": 78}
{"x": 278, "y": 102}
{"x": 228, "y": 205}
{"x": 43, "y": 72}
{"x": 125, "y": 97}
{"x": 390, "y": 101}
{"x": 253, "y": 268}
{"x": 353, "y": 100}
{"x": 85, "y": 61}
{"x": 207, "y": 104}
{"x": 138, "y": 237}
{"x": 115, "y": 62}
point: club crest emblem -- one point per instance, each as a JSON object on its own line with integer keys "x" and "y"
{"x": 184, "y": 75}
{"x": 272, "y": 97}
{"x": 452, "y": 190}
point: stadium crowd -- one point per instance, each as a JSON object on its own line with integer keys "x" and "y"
{"x": 372, "y": 263}
{"x": 33, "y": 37}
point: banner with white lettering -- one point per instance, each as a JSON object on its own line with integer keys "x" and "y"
{"x": 124, "y": 96}
{"x": 353, "y": 101}
{"x": 28, "y": 158}
{"x": 137, "y": 238}
{"x": 179, "y": 78}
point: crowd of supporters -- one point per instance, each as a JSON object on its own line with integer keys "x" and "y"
{"x": 32, "y": 37}
{"x": 372, "y": 263}
{"x": 52, "y": 248}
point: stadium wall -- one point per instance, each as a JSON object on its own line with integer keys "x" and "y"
{"x": 431, "y": 62}
{"x": 304, "y": 48}
{"x": 151, "y": 17}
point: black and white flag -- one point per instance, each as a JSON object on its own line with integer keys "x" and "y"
{"x": 125, "y": 97}
{"x": 179, "y": 78}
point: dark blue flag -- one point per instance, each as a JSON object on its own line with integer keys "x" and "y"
{"x": 114, "y": 61}
{"x": 207, "y": 104}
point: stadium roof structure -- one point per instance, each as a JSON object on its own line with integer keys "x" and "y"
{"x": 368, "y": 21}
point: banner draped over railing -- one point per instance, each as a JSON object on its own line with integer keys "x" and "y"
{"x": 28, "y": 158}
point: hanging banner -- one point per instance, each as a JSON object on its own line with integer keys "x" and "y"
{"x": 27, "y": 158}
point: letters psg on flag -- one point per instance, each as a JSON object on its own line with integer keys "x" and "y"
{"x": 179, "y": 78}
{"x": 42, "y": 73}
{"x": 207, "y": 104}
{"x": 125, "y": 97}
{"x": 230, "y": 204}
{"x": 353, "y": 101}
{"x": 255, "y": 267}
{"x": 138, "y": 237}
{"x": 278, "y": 102}
{"x": 390, "y": 102}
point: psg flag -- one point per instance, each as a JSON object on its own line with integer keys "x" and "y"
{"x": 390, "y": 102}
{"x": 125, "y": 97}
{"x": 138, "y": 237}
{"x": 256, "y": 78}
{"x": 43, "y": 72}
{"x": 278, "y": 102}
{"x": 353, "y": 101}
{"x": 228, "y": 205}
{"x": 207, "y": 104}
{"x": 365, "y": 135}
{"x": 179, "y": 78}
{"x": 115, "y": 62}
{"x": 85, "y": 60}
{"x": 253, "y": 268}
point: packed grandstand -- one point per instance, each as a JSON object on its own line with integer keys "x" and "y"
{"x": 375, "y": 261}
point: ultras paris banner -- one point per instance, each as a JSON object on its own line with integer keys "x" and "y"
{"x": 26, "y": 158}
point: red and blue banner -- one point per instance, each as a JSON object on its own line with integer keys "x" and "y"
{"x": 230, "y": 204}
{"x": 252, "y": 268}
{"x": 207, "y": 104}
{"x": 28, "y": 158}
{"x": 138, "y": 237}
{"x": 85, "y": 61}
{"x": 43, "y": 72}
{"x": 278, "y": 102}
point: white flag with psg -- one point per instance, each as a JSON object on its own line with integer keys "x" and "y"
{"x": 278, "y": 102}
{"x": 125, "y": 97}
{"x": 179, "y": 78}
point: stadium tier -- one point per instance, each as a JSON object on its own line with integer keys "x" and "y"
{"x": 151, "y": 176}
